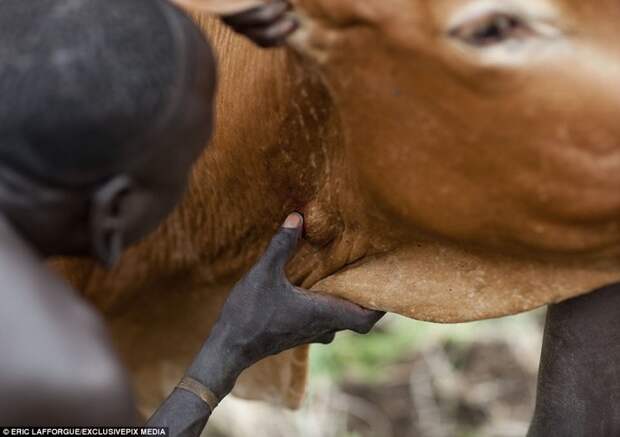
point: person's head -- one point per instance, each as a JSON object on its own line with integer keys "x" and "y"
{"x": 105, "y": 107}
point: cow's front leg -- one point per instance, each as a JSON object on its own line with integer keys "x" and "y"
{"x": 267, "y": 25}
{"x": 579, "y": 377}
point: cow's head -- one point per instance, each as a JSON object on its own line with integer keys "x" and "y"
{"x": 486, "y": 134}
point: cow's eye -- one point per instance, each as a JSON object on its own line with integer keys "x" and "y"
{"x": 491, "y": 29}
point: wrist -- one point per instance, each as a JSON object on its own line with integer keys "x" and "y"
{"x": 219, "y": 363}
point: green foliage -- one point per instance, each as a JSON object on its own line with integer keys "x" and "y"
{"x": 366, "y": 358}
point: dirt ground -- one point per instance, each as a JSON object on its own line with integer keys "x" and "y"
{"x": 480, "y": 389}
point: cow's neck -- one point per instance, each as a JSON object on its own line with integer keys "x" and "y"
{"x": 275, "y": 151}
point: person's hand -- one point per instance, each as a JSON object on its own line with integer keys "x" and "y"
{"x": 265, "y": 314}
{"x": 267, "y": 26}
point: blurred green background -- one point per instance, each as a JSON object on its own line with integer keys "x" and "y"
{"x": 409, "y": 379}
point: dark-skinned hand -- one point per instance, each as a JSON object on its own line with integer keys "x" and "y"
{"x": 267, "y": 26}
{"x": 265, "y": 314}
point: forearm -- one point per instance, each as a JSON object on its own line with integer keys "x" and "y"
{"x": 217, "y": 367}
{"x": 183, "y": 413}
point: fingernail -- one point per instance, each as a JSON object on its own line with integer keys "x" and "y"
{"x": 293, "y": 221}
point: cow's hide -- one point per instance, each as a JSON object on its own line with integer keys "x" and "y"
{"x": 497, "y": 164}
{"x": 440, "y": 180}
{"x": 220, "y": 7}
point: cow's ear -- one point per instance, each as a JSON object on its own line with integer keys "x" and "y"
{"x": 107, "y": 219}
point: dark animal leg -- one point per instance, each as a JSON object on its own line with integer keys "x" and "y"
{"x": 579, "y": 377}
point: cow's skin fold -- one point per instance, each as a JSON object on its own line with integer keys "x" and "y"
{"x": 442, "y": 180}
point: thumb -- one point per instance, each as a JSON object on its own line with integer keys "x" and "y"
{"x": 284, "y": 243}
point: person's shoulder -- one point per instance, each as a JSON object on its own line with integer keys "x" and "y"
{"x": 45, "y": 398}
{"x": 63, "y": 375}
{"x": 57, "y": 356}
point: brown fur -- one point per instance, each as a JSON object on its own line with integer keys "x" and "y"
{"x": 437, "y": 181}
{"x": 262, "y": 164}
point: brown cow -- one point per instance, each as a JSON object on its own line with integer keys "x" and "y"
{"x": 165, "y": 294}
{"x": 455, "y": 159}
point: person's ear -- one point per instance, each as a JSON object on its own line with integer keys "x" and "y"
{"x": 107, "y": 219}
